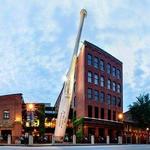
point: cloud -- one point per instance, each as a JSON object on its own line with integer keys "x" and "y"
{"x": 37, "y": 40}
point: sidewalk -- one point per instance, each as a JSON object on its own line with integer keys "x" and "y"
{"x": 57, "y": 144}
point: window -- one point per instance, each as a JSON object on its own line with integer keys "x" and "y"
{"x": 109, "y": 114}
{"x": 102, "y": 113}
{"x": 118, "y": 88}
{"x": 90, "y": 77}
{"x": 74, "y": 87}
{"x": 96, "y": 79}
{"x": 89, "y": 59}
{"x": 89, "y": 93}
{"x": 96, "y": 62}
{"x": 119, "y": 102}
{"x": 102, "y": 67}
{"x": 114, "y": 86}
{"x": 6, "y": 114}
{"x": 96, "y": 95}
{"x": 96, "y": 112}
{"x": 109, "y": 84}
{"x": 89, "y": 111}
{"x": 102, "y": 82}
{"x": 114, "y": 71}
{"x": 114, "y": 115}
{"x": 101, "y": 132}
{"x": 114, "y": 100}
{"x": 109, "y": 99}
{"x": 102, "y": 97}
{"x": 75, "y": 101}
{"x": 108, "y": 68}
{"x": 118, "y": 74}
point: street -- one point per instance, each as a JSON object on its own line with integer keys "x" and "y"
{"x": 110, "y": 147}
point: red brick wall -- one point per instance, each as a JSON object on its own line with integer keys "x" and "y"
{"x": 82, "y": 83}
{"x": 12, "y": 103}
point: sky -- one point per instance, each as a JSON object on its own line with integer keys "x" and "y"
{"x": 37, "y": 40}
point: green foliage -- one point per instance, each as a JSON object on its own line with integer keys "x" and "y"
{"x": 140, "y": 111}
{"x": 42, "y": 119}
{"x": 79, "y": 134}
{"x": 78, "y": 122}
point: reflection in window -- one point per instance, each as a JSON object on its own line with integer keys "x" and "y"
{"x": 90, "y": 77}
{"x": 6, "y": 114}
{"x": 114, "y": 71}
{"x": 114, "y": 86}
{"x": 96, "y": 95}
{"x": 89, "y": 59}
{"x": 118, "y": 73}
{"x": 114, "y": 100}
{"x": 96, "y": 62}
{"x": 102, "y": 97}
{"x": 109, "y": 99}
{"x": 118, "y": 88}
{"x": 108, "y": 68}
{"x": 102, "y": 67}
{"x": 102, "y": 82}
{"x": 89, "y": 93}
{"x": 96, "y": 79}
{"x": 108, "y": 84}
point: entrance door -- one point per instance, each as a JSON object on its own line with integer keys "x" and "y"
{"x": 5, "y": 134}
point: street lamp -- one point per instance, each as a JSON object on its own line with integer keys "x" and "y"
{"x": 147, "y": 129}
{"x": 30, "y": 109}
{"x": 120, "y": 116}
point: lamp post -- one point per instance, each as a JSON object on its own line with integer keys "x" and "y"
{"x": 30, "y": 109}
{"x": 147, "y": 129}
{"x": 120, "y": 119}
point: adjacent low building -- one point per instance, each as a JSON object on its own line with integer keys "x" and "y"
{"x": 132, "y": 133}
{"x": 11, "y": 116}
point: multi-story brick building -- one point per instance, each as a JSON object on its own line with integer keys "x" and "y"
{"x": 98, "y": 92}
{"x": 11, "y": 116}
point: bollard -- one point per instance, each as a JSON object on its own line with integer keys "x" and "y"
{"x": 9, "y": 139}
{"x": 0, "y": 135}
{"x": 92, "y": 139}
{"x": 137, "y": 140}
{"x": 119, "y": 139}
{"x": 53, "y": 139}
{"x": 30, "y": 139}
{"x": 74, "y": 139}
{"x": 107, "y": 140}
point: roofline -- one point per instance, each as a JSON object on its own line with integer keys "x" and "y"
{"x": 92, "y": 45}
{"x": 12, "y": 94}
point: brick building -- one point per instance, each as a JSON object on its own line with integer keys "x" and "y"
{"x": 11, "y": 116}
{"x": 132, "y": 133}
{"x": 98, "y": 93}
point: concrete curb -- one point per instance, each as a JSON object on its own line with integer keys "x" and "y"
{"x": 44, "y": 145}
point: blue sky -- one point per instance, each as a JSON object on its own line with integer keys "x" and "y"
{"x": 37, "y": 40}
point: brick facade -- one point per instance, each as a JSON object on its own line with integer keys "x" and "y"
{"x": 11, "y": 115}
{"x": 82, "y": 85}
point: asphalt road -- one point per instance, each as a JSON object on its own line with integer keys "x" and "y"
{"x": 110, "y": 147}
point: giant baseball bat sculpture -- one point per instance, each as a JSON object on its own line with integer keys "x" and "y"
{"x": 67, "y": 93}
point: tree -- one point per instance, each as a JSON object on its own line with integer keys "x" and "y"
{"x": 140, "y": 111}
